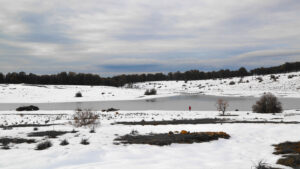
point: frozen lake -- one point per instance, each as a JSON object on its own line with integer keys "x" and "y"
{"x": 182, "y": 102}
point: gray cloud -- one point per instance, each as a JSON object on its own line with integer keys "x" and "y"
{"x": 99, "y": 36}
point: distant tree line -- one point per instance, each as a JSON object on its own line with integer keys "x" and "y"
{"x": 71, "y": 78}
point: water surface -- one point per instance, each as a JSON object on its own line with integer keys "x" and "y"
{"x": 182, "y": 102}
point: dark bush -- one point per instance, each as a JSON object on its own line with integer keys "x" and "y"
{"x": 232, "y": 83}
{"x": 291, "y": 76}
{"x": 260, "y": 79}
{"x": 268, "y": 103}
{"x": 50, "y": 133}
{"x": 28, "y": 108}
{"x": 64, "y": 142}
{"x": 85, "y": 142}
{"x": 263, "y": 165}
{"x": 273, "y": 77}
{"x": 43, "y": 145}
{"x": 150, "y": 92}
{"x": 93, "y": 130}
{"x": 78, "y": 94}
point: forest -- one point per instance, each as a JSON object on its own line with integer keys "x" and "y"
{"x": 72, "y": 78}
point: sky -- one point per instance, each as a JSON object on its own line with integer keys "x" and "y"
{"x": 112, "y": 37}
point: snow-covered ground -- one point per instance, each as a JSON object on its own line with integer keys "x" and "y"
{"x": 249, "y": 86}
{"x": 249, "y": 143}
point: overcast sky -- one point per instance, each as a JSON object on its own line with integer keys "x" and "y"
{"x": 132, "y": 36}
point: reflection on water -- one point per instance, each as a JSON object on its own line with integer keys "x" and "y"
{"x": 182, "y": 102}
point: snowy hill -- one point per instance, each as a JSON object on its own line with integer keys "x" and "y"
{"x": 285, "y": 85}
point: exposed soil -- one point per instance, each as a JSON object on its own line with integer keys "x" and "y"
{"x": 290, "y": 152}
{"x": 202, "y": 121}
{"x": 50, "y": 134}
{"x": 169, "y": 138}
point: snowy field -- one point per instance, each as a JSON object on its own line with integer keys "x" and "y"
{"x": 248, "y": 86}
{"x": 249, "y": 143}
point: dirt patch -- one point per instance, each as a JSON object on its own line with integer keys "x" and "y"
{"x": 6, "y": 140}
{"x": 290, "y": 152}
{"x": 202, "y": 121}
{"x": 170, "y": 138}
{"x": 50, "y": 134}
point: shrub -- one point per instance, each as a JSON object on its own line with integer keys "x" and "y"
{"x": 273, "y": 77}
{"x": 260, "y": 79}
{"x": 78, "y": 94}
{"x": 232, "y": 83}
{"x": 93, "y": 130}
{"x": 134, "y": 132}
{"x": 85, "y": 118}
{"x": 28, "y": 108}
{"x": 291, "y": 76}
{"x": 263, "y": 165}
{"x": 64, "y": 142}
{"x": 268, "y": 103}
{"x": 43, "y": 145}
{"x": 50, "y": 133}
{"x": 84, "y": 142}
{"x": 150, "y": 92}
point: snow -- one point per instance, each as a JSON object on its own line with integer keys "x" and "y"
{"x": 23, "y": 93}
{"x": 249, "y": 143}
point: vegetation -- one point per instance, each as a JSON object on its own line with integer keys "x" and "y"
{"x": 64, "y": 142}
{"x": 71, "y": 78}
{"x": 263, "y": 165}
{"x": 50, "y": 133}
{"x": 78, "y": 94}
{"x": 232, "y": 83}
{"x": 44, "y": 145}
{"x": 222, "y": 106}
{"x": 27, "y": 108}
{"x": 84, "y": 142}
{"x": 150, "y": 92}
{"x": 290, "y": 152}
{"x": 268, "y": 103}
{"x": 85, "y": 118}
{"x": 169, "y": 138}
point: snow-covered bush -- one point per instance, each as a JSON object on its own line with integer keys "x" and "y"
{"x": 268, "y": 103}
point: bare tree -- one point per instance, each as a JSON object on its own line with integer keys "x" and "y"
{"x": 222, "y": 105}
{"x": 85, "y": 118}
